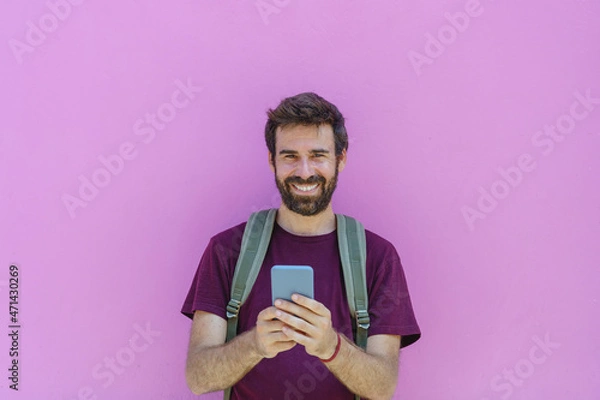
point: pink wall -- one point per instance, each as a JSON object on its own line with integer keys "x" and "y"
{"x": 474, "y": 150}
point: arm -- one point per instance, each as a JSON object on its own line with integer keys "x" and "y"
{"x": 214, "y": 365}
{"x": 372, "y": 374}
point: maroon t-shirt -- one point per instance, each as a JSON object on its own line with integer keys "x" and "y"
{"x": 294, "y": 374}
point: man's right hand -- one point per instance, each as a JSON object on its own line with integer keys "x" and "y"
{"x": 269, "y": 338}
{"x": 213, "y": 364}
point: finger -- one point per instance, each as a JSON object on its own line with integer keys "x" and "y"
{"x": 272, "y": 344}
{"x": 310, "y": 304}
{"x": 269, "y": 327}
{"x": 297, "y": 310}
{"x": 279, "y": 341}
{"x": 278, "y": 337}
{"x": 296, "y": 323}
{"x": 297, "y": 337}
{"x": 291, "y": 308}
{"x": 284, "y": 346}
{"x": 267, "y": 314}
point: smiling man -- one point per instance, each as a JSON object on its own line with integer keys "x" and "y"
{"x": 306, "y": 169}
{"x": 304, "y": 348}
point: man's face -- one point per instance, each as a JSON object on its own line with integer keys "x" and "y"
{"x": 306, "y": 167}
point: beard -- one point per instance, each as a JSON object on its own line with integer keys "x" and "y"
{"x": 307, "y": 205}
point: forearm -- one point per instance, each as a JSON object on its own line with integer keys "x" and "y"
{"x": 368, "y": 375}
{"x": 219, "y": 367}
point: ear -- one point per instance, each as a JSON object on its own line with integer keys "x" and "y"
{"x": 271, "y": 165}
{"x": 342, "y": 161}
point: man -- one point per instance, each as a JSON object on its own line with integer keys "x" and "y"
{"x": 303, "y": 348}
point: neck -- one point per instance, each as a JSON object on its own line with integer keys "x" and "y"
{"x": 301, "y": 225}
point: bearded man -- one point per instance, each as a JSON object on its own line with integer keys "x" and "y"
{"x": 303, "y": 348}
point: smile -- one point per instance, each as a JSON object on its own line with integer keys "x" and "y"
{"x": 305, "y": 188}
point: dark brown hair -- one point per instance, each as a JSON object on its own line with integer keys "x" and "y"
{"x": 306, "y": 109}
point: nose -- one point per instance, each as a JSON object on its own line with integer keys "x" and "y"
{"x": 305, "y": 169}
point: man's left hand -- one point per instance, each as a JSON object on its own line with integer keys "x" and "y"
{"x": 308, "y": 323}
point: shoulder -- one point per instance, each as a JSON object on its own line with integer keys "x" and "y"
{"x": 378, "y": 248}
{"x": 377, "y": 245}
{"x": 383, "y": 259}
{"x": 229, "y": 241}
{"x": 376, "y": 240}
{"x": 230, "y": 233}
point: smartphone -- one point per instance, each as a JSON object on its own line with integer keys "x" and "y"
{"x": 289, "y": 279}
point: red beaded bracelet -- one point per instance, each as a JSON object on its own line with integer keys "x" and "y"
{"x": 337, "y": 349}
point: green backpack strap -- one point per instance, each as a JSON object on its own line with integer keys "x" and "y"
{"x": 353, "y": 252}
{"x": 255, "y": 243}
{"x": 352, "y": 244}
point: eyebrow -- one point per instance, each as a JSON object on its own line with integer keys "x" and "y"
{"x": 315, "y": 151}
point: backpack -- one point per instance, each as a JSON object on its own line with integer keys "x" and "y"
{"x": 353, "y": 253}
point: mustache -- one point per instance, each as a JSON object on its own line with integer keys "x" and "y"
{"x": 308, "y": 181}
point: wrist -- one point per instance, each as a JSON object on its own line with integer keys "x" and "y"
{"x": 336, "y": 350}
{"x": 254, "y": 345}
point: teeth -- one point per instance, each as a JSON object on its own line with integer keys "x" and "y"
{"x": 305, "y": 188}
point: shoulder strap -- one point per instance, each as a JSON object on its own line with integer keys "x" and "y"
{"x": 353, "y": 253}
{"x": 352, "y": 244}
{"x": 255, "y": 243}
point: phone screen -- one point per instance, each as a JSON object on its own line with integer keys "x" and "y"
{"x": 289, "y": 279}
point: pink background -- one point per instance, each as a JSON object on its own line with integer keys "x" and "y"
{"x": 427, "y": 139}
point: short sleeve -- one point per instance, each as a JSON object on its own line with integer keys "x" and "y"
{"x": 390, "y": 306}
{"x": 210, "y": 287}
